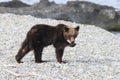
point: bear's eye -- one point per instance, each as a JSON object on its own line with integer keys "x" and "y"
{"x": 66, "y": 29}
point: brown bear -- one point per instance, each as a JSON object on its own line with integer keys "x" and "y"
{"x": 42, "y": 35}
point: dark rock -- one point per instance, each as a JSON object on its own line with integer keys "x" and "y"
{"x": 90, "y": 13}
{"x": 43, "y": 4}
{"x": 13, "y": 4}
{"x": 62, "y": 16}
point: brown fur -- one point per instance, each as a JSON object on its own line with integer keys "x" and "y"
{"x": 43, "y": 35}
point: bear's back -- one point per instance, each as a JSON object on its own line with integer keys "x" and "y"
{"x": 46, "y": 30}
{"x": 45, "y": 34}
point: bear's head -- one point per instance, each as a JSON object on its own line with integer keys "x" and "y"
{"x": 70, "y": 34}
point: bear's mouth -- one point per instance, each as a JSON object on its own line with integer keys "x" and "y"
{"x": 72, "y": 44}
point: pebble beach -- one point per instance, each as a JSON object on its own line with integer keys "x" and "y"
{"x": 95, "y": 57}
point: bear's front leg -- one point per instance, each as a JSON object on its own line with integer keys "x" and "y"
{"x": 59, "y": 54}
{"x": 38, "y": 55}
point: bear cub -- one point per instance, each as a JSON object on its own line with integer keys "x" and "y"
{"x": 41, "y": 35}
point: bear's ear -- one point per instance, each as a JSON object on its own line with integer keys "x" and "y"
{"x": 66, "y": 29}
{"x": 77, "y": 28}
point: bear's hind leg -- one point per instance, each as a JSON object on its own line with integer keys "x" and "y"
{"x": 38, "y": 55}
{"x": 22, "y": 52}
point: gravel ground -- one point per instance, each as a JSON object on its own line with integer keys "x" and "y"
{"x": 95, "y": 57}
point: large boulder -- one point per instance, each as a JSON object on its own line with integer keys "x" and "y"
{"x": 90, "y": 13}
{"x": 14, "y": 4}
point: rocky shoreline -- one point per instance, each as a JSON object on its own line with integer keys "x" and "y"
{"x": 75, "y": 11}
{"x": 96, "y": 55}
